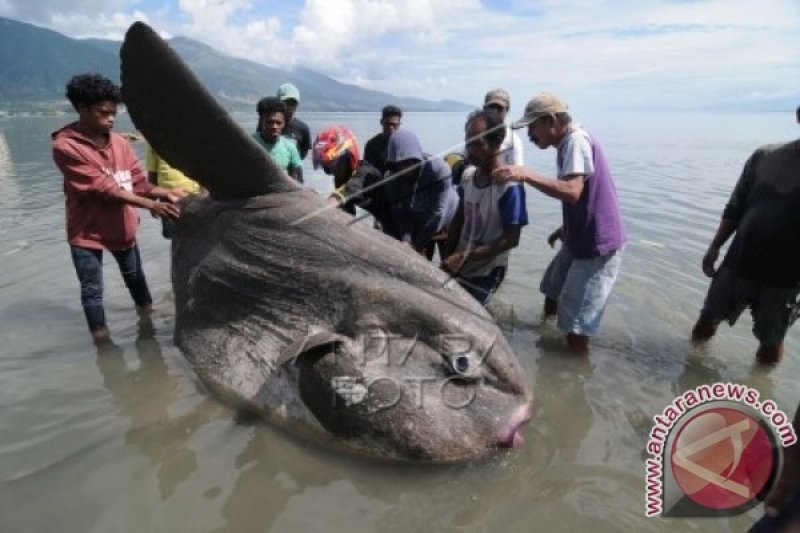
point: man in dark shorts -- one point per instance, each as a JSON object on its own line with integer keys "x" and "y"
{"x": 761, "y": 269}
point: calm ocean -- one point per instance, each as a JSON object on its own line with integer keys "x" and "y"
{"x": 131, "y": 441}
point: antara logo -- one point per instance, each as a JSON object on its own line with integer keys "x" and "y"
{"x": 716, "y": 450}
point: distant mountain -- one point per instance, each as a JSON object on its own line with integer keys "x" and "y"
{"x": 35, "y": 64}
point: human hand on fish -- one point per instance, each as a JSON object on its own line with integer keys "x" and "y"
{"x": 165, "y": 210}
{"x": 453, "y": 263}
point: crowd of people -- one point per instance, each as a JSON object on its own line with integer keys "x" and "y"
{"x": 470, "y": 206}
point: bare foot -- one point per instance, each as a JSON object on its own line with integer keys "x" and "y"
{"x": 704, "y": 329}
{"x": 769, "y": 355}
{"x": 550, "y": 307}
{"x": 146, "y": 328}
{"x": 578, "y": 343}
{"x": 144, "y": 310}
{"x": 101, "y": 336}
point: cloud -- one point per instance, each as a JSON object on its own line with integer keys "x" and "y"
{"x": 254, "y": 37}
{"x": 332, "y": 33}
{"x": 104, "y": 26}
{"x": 610, "y": 53}
{"x": 107, "y": 19}
{"x": 44, "y": 11}
{"x": 652, "y": 53}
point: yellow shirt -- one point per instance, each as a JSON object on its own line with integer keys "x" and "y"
{"x": 168, "y": 177}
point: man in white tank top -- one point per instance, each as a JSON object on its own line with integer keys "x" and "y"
{"x": 490, "y": 216}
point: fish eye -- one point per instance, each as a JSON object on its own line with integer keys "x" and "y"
{"x": 461, "y": 363}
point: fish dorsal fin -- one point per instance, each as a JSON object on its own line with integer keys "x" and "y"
{"x": 187, "y": 127}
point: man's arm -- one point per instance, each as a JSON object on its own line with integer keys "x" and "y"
{"x": 84, "y": 177}
{"x": 734, "y": 210}
{"x": 517, "y": 149}
{"x": 438, "y": 190}
{"x": 294, "y": 169}
{"x": 726, "y": 228}
{"x": 305, "y": 141}
{"x": 513, "y": 214}
{"x": 567, "y": 189}
{"x": 510, "y": 239}
{"x": 454, "y": 231}
{"x": 398, "y": 198}
{"x": 144, "y": 192}
{"x": 371, "y": 154}
{"x": 350, "y": 192}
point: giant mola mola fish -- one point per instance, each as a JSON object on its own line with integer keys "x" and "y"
{"x": 320, "y": 325}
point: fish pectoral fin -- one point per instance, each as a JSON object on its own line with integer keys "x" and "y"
{"x": 312, "y": 342}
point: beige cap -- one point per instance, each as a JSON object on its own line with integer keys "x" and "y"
{"x": 499, "y": 97}
{"x": 541, "y": 105}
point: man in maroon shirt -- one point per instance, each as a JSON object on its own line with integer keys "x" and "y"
{"x": 103, "y": 184}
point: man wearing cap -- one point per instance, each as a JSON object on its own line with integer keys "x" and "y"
{"x": 580, "y": 278}
{"x": 511, "y": 149}
{"x": 295, "y": 129}
{"x": 761, "y": 269}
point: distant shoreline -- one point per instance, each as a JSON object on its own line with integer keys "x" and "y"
{"x": 8, "y": 113}
{"x": 45, "y": 110}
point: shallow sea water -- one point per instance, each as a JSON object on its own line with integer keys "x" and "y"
{"x": 129, "y": 440}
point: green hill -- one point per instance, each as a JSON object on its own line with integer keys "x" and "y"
{"x": 35, "y": 63}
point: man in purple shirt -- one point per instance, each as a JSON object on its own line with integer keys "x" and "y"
{"x": 580, "y": 278}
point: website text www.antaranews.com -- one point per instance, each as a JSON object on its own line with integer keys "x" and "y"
{"x": 687, "y": 401}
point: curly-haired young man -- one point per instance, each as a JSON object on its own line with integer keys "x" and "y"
{"x": 103, "y": 184}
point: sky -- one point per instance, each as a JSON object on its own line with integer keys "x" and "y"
{"x": 607, "y": 54}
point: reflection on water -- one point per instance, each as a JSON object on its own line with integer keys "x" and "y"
{"x": 125, "y": 439}
{"x": 8, "y": 188}
{"x": 10, "y": 193}
{"x": 144, "y": 396}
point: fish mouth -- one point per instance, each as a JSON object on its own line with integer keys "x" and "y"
{"x": 510, "y": 436}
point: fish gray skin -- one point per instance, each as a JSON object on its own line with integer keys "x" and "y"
{"x": 322, "y": 326}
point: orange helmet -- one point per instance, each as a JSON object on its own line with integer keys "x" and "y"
{"x": 335, "y": 142}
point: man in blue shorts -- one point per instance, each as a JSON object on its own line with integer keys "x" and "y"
{"x": 579, "y": 280}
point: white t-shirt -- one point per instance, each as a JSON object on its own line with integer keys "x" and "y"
{"x": 488, "y": 210}
{"x": 575, "y": 153}
{"x": 511, "y": 149}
